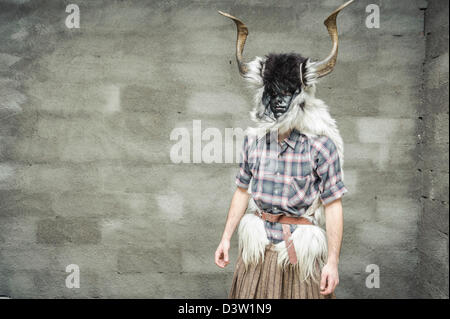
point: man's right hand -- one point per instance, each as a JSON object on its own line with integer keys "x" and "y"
{"x": 221, "y": 256}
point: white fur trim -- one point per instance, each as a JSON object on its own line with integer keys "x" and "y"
{"x": 254, "y": 72}
{"x": 310, "y": 77}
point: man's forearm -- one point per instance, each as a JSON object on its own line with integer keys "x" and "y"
{"x": 238, "y": 207}
{"x": 334, "y": 222}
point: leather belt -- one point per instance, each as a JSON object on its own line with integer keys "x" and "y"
{"x": 285, "y": 221}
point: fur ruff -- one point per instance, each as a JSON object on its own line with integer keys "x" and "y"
{"x": 310, "y": 244}
{"x": 313, "y": 119}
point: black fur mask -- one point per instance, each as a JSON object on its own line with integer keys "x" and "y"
{"x": 282, "y": 82}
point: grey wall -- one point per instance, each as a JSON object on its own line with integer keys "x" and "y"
{"x": 433, "y": 232}
{"x": 85, "y": 120}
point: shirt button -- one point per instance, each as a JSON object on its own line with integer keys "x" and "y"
{"x": 278, "y": 173}
{"x": 276, "y": 191}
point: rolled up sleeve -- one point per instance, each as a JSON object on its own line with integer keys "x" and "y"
{"x": 244, "y": 174}
{"x": 329, "y": 170}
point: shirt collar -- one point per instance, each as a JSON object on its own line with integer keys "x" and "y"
{"x": 291, "y": 140}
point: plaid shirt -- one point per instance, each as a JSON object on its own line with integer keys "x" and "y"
{"x": 287, "y": 177}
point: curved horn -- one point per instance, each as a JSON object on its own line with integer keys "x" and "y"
{"x": 242, "y": 33}
{"x": 325, "y": 66}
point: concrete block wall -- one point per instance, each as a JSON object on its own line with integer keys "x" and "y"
{"x": 85, "y": 121}
{"x": 434, "y": 166}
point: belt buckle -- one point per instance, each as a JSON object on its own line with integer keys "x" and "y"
{"x": 259, "y": 213}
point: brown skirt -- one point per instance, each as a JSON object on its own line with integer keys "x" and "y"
{"x": 268, "y": 281}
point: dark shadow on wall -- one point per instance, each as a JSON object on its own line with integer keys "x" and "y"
{"x": 433, "y": 270}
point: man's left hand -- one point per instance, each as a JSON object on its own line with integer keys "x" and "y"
{"x": 329, "y": 279}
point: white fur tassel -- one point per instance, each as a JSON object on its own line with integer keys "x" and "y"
{"x": 310, "y": 244}
{"x": 252, "y": 239}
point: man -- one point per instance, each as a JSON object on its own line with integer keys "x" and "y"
{"x": 292, "y": 164}
{"x": 334, "y": 222}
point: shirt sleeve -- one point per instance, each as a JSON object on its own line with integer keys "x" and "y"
{"x": 329, "y": 170}
{"x": 244, "y": 174}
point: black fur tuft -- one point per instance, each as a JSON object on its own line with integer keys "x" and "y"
{"x": 282, "y": 72}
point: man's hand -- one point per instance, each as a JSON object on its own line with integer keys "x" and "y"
{"x": 221, "y": 256}
{"x": 330, "y": 279}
